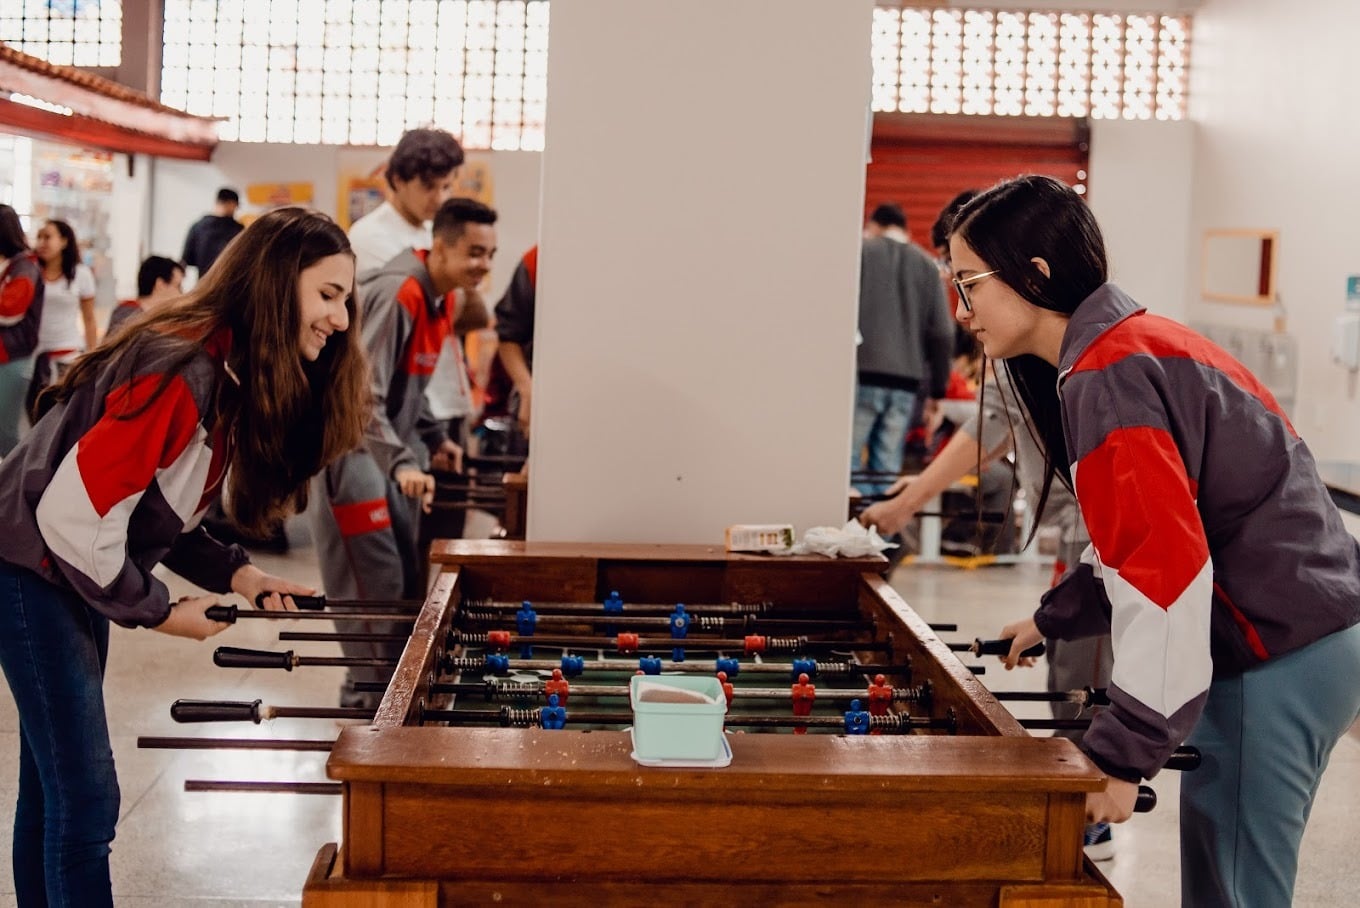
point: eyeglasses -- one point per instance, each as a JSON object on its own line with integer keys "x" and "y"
{"x": 960, "y": 284}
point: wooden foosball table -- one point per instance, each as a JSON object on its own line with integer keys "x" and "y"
{"x": 953, "y": 803}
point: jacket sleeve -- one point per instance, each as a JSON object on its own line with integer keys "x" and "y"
{"x": 204, "y": 561}
{"x": 21, "y": 301}
{"x": 1076, "y": 606}
{"x": 84, "y": 512}
{"x": 1151, "y": 552}
{"x": 515, "y": 311}
{"x": 387, "y": 331}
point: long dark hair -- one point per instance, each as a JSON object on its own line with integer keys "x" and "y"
{"x": 289, "y": 418}
{"x": 12, "y": 239}
{"x": 1008, "y": 226}
{"x": 70, "y": 253}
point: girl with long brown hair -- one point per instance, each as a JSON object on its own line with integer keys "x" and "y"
{"x": 246, "y": 386}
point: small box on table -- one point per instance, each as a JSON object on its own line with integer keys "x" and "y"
{"x": 677, "y": 717}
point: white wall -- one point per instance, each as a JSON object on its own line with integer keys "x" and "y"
{"x": 1140, "y": 190}
{"x": 702, "y": 192}
{"x": 183, "y": 191}
{"x": 131, "y": 221}
{"x": 1274, "y": 96}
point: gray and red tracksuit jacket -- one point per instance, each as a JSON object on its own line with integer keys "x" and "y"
{"x": 21, "y": 304}
{"x": 1214, "y": 545}
{"x": 93, "y": 498}
{"x": 405, "y": 323}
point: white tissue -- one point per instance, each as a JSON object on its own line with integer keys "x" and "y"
{"x": 849, "y": 541}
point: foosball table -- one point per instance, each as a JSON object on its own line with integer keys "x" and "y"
{"x": 946, "y": 800}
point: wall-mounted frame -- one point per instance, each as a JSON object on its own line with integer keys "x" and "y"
{"x": 1238, "y": 266}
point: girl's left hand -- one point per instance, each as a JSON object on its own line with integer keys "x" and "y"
{"x": 250, "y": 582}
{"x": 1114, "y": 804}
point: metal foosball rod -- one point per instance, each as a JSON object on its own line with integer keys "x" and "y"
{"x": 496, "y": 691}
{"x": 625, "y": 612}
{"x": 237, "y": 657}
{"x": 493, "y": 691}
{"x": 256, "y": 711}
{"x": 629, "y": 643}
{"x": 662, "y": 609}
{"x": 750, "y": 624}
{"x": 231, "y": 613}
{"x": 308, "y": 788}
{"x": 317, "y": 745}
{"x": 980, "y": 647}
{"x": 755, "y": 644}
{"x": 318, "y": 603}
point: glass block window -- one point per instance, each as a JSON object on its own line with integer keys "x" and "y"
{"x": 360, "y": 72}
{"x": 1038, "y": 64}
{"x": 66, "y": 32}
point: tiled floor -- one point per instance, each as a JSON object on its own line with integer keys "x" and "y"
{"x": 177, "y": 848}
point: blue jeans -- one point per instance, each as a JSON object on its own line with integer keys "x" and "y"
{"x": 882, "y": 417}
{"x": 14, "y": 378}
{"x": 1266, "y": 736}
{"x": 53, "y": 648}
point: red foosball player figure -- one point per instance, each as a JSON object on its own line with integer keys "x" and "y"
{"x": 803, "y": 695}
{"x": 561, "y": 687}
{"x": 726, "y": 689}
{"x": 879, "y": 696}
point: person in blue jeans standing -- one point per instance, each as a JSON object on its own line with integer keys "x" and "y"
{"x": 904, "y": 351}
{"x": 256, "y": 373}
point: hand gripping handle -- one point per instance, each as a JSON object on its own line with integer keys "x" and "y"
{"x": 305, "y": 603}
{"x": 1002, "y": 647}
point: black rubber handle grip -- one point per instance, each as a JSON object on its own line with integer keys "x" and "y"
{"x": 1002, "y": 647}
{"x": 1147, "y": 799}
{"x": 236, "y": 657}
{"x": 215, "y": 711}
{"x": 305, "y": 603}
{"x": 1184, "y": 759}
{"x": 225, "y": 613}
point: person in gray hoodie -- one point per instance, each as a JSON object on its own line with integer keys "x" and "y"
{"x": 366, "y": 521}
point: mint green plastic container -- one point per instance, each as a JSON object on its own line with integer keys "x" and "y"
{"x": 678, "y": 731}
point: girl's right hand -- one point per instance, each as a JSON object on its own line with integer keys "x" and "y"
{"x": 188, "y": 619}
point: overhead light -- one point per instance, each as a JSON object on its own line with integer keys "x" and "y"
{"x": 40, "y": 104}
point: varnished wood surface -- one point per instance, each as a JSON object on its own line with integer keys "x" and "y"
{"x": 521, "y": 816}
{"x": 475, "y": 551}
{"x": 767, "y": 762}
{"x": 328, "y": 888}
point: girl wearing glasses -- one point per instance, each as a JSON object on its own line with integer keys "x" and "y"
{"x": 1218, "y": 560}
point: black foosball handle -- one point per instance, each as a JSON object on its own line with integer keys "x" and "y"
{"x": 306, "y": 603}
{"x": 236, "y": 657}
{"x": 1146, "y": 800}
{"x": 1002, "y": 647}
{"x": 1184, "y": 758}
{"x": 225, "y": 613}
{"x": 215, "y": 711}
